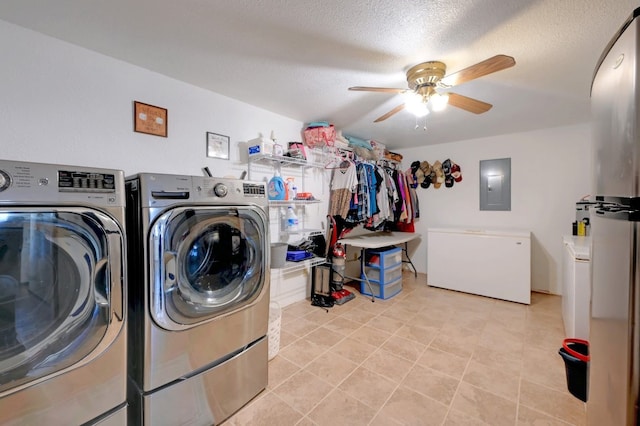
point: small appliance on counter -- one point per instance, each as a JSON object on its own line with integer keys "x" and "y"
{"x": 581, "y": 226}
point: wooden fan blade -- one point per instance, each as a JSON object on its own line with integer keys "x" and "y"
{"x": 468, "y": 104}
{"x": 488, "y": 66}
{"x": 389, "y": 114}
{"x": 377, "y": 89}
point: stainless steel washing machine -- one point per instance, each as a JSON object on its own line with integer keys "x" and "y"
{"x": 62, "y": 295}
{"x": 198, "y": 297}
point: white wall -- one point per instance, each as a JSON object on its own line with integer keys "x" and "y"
{"x": 64, "y": 104}
{"x": 550, "y": 171}
{"x": 60, "y": 103}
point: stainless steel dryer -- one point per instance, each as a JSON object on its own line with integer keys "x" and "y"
{"x": 199, "y": 297}
{"x": 62, "y": 297}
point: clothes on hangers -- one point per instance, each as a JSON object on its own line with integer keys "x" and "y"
{"x": 360, "y": 209}
{"x": 378, "y": 196}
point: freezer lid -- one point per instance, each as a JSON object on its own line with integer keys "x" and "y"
{"x": 506, "y": 232}
{"x": 579, "y": 247}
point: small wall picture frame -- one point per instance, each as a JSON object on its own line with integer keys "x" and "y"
{"x": 150, "y": 119}
{"x": 217, "y": 146}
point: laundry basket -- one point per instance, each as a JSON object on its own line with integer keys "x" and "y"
{"x": 273, "y": 333}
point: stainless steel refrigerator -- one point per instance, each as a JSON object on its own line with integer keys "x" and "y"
{"x": 614, "y": 343}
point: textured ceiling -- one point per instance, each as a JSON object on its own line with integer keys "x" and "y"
{"x": 297, "y": 58}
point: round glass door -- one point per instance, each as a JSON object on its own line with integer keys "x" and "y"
{"x": 54, "y": 290}
{"x": 212, "y": 262}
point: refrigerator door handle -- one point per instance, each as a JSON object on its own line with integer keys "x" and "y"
{"x": 618, "y": 213}
{"x": 632, "y": 203}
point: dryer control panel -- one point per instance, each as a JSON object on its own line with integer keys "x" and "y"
{"x": 164, "y": 190}
{"x": 5, "y": 180}
{"x": 230, "y": 190}
{"x": 77, "y": 181}
{"x": 254, "y": 190}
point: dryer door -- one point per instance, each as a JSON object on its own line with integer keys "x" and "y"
{"x": 206, "y": 262}
{"x": 60, "y": 291}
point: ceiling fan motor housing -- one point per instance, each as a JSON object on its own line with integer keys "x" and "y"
{"x": 425, "y": 74}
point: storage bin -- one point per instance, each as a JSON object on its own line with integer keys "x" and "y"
{"x": 381, "y": 291}
{"x": 260, "y": 146}
{"x": 385, "y": 257}
{"x": 383, "y": 275}
{"x": 298, "y": 255}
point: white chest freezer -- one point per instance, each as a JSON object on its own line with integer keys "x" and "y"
{"x": 493, "y": 263}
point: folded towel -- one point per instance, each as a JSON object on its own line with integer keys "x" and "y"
{"x": 353, "y": 141}
{"x": 318, "y": 124}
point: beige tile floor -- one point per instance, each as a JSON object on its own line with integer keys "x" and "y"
{"x": 424, "y": 357}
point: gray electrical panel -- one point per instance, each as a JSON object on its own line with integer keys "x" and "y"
{"x": 495, "y": 184}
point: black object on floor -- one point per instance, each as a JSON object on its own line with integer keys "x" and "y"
{"x": 575, "y": 354}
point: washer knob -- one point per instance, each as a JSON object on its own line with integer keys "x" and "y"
{"x": 5, "y": 181}
{"x": 220, "y": 190}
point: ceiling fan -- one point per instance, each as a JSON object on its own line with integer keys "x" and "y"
{"x": 426, "y": 77}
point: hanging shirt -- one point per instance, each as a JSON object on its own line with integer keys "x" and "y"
{"x": 360, "y": 202}
{"x": 372, "y": 183}
{"x": 382, "y": 196}
{"x": 343, "y": 184}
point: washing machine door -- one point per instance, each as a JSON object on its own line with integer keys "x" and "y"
{"x": 206, "y": 262}
{"x": 60, "y": 291}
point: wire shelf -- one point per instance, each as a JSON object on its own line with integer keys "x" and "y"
{"x": 282, "y": 160}
{"x": 285, "y": 203}
{"x": 296, "y": 266}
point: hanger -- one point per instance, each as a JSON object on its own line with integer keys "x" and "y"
{"x": 341, "y": 159}
{"x": 390, "y": 164}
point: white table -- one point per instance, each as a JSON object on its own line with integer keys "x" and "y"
{"x": 382, "y": 239}
{"x": 377, "y": 240}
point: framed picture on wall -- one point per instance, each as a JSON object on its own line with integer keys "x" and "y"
{"x": 150, "y": 119}
{"x": 217, "y": 146}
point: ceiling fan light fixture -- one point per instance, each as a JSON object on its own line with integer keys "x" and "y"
{"x": 419, "y": 110}
{"x": 416, "y": 104}
{"x": 439, "y": 102}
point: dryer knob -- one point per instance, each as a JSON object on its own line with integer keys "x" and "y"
{"x": 5, "y": 181}
{"x": 220, "y": 190}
